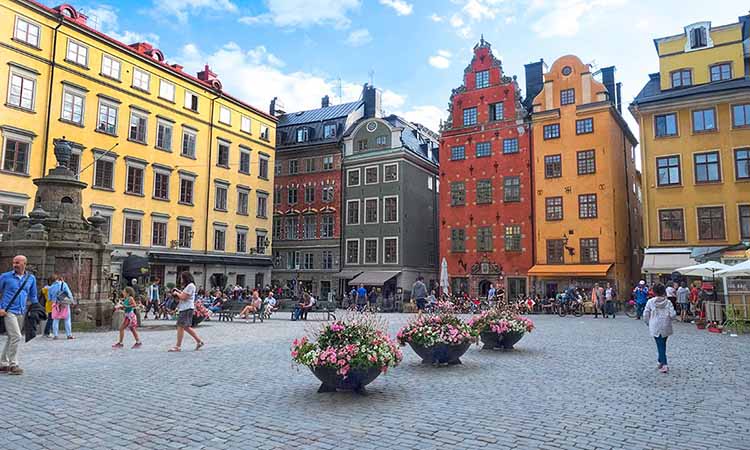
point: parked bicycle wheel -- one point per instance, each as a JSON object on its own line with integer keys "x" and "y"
{"x": 562, "y": 310}
{"x": 630, "y": 310}
{"x": 578, "y": 310}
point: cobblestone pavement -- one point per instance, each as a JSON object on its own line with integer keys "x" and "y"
{"x": 574, "y": 383}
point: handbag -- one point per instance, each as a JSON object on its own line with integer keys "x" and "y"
{"x": 63, "y": 297}
{"x": 10, "y": 304}
{"x": 59, "y": 311}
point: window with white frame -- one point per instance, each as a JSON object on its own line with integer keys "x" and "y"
{"x": 264, "y": 133}
{"x": 16, "y": 152}
{"x": 166, "y": 90}
{"x": 244, "y": 161}
{"x": 159, "y": 233}
{"x": 303, "y": 134}
{"x": 138, "y": 126}
{"x": 390, "y": 173}
{"x": 328, "y": 162}
{"x": 241, "y": 241}
{"x": 104, "y": 170}
{"x": 191, "y": 100}
{"x": 134, "y": 179}
{"x": 371, "y": 250}
{"x": 186, "y": 190}
{"x": 107, "y": 119}
{"x": 188, "y": 143}
{"x": 21, "y": 88}
{"x": 390, "y": 250}
{"x": 73, "y": 105}
{"x": 329, "y": 130}
{"x": 243, "y": 200}
{"x": 220, "y": 197}
{"x": 185, "y": 235}
{"x": 352, "y": 251}
{"x": 77, "y": 53}
{"x": 225, "y": 115}
{"x": 245, "y": 124}
{"x": 161, "y": 184}
{"x": 309, "y": 226}
{"x": 352, "y": 177}
{"x": 164, "y": 130}
{"x": 327, "y": 194}
{"x": 371, "y": 175}
{"x": 26, "y": 31}
{"x": 220, "y": 239}
{"x": 326, "y": 259}
{"x": 132, "y": 231}
{"x": 390, "y": 209}
{"x": 327, "y": 222}
{"x": 263, "y": 166}
{"x": 141, "y": 79}
{"x": 262, "y": 210}
{"x": 352, "y": 212}
{"x": 371, "y": 210}
{"x": 110, "y": 67}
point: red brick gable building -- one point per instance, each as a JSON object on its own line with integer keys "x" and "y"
{"x": 485, "y": 201}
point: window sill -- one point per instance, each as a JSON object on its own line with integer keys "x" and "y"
{"x": 165, "y": 150}
{"x": 194, "y": 111}
{"x": 20, "y": 108}
{"x": 166, "y": 99}
{"x": 185, "y": 204}
{"x": 102, "y": 188}
{"x": 668, "y": 136}
{"x": 484, "y": 156}
{"x": 551, "y": 138}
{"x": 511, "y": 153}
{"x": 188, "y": 156}
{"x": 134, "y": 194}
{"x": 138, "y": 88}
{"x": 547, "y": 219}
{"x": 741, "y": 127}
{"x": 137, "y": 142}
{"x": 588, "y": 218}
{"x": 243, "y": 172}
{"x": 229, "y": 124}
{"x": 79, "y": 65}
{"x": 222, "y": 166}
{"x": 110, "y": 78}
{"x": 702, "y": 132}
{"x": 161, "y": 199}
{"x": 262, "y": 178}
{"x": 512, "y": 201}
{"x": 458, "y": 251}
{"x": 708, "y": 183}
{"x": 220, "y": 210}
{"x": 261, "y": 217}
{"x": 242, "y": 213}
{"x": 70, "y": 122}
{"x": 26, "y": 44}
{"x": 18, "y": 174}
{"x": 669, "y": 186}
{"x": 97, "y": 130}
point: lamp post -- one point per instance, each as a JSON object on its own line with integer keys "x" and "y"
{"x": 565, "y": 245}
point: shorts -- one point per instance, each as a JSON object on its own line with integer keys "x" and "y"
{"x": 185, "y": 319}
{"x": 420, "y": 303}
{"x": 685, "y": 306}
{"x": 131, "y": 320}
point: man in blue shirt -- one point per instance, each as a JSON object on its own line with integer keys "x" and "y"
{"x": 641, "y": 298}
{"x": 12, "y": 311}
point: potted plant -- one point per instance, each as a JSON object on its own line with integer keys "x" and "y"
{"x": 347, "y": 354}
{"x": 440, "y": 338}
{"x": 500, "y": 329}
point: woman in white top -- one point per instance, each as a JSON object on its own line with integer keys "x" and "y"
{"x": 658, "y": 315}
{"x": 186, "y": 307}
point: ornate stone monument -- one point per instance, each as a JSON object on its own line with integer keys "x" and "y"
{"x": 56, "y": 237}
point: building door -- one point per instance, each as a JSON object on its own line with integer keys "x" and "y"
{"x": 259, "y": 278}
{"x": 240, "y": 280}
{"x": 550, "y": 290}
{"x": 484, "y": 288}
{"x": 325, "y": 288}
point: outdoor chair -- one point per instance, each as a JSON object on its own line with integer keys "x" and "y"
{"x": 735, "y": 319}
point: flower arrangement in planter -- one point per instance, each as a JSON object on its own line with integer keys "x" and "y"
{"x": 201, "y": 313}
{"x": 348, "y": 354}
{"x": 438, "y": 338}
{"x": 500, "y": 328}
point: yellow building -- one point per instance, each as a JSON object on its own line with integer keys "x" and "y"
{"x": 586, "y": 207}
{"x": 178, "y": 167}
{"x": 694, "y": 118}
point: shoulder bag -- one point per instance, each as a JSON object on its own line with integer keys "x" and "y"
{"x": 10, "y": 304}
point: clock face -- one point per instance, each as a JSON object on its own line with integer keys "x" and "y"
{"x": 372, "y": 126}
{"x": 567, "y": 70}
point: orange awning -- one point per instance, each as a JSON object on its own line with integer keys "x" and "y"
{"x": 569, "y": 270}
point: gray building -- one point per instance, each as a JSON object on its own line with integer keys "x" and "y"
{"x": 390, "y": 202}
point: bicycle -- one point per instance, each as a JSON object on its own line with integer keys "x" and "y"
{"x": 574, "y": 308}
{"x": 630, "y": 309}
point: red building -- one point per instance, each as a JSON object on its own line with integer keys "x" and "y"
{"x": 485, "y": 164}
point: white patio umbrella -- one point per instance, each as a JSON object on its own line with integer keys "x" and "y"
{"x": 739, "y": 270}
{"x": 444, "y": 276}
{"x": 707, "y": 269}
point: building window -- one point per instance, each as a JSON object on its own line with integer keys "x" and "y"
{"x": 107, "y": 117}
{"x": 159, "y": 234}
{"x": 262, "y": 209}
{"x": 390, "y": 173}
{"x": 16, "y": 155}
{"x": 329, "y": 130}
{"x": 327, "y": 194}
{"x": 141, "y": 79}
{"x": 482, "y": 79}
{"x": 26, "y": 32}
{"x": 352, "y": 177}
{"x": 292, "y": 228}
{"x": 555, "y": 249}
{"x": 191, "y": 101}
{"x": 161, "y": 185}
{"x": 371, "y": 210}
{"x": 496, "y": 111}
{"x": 244, "y": 162}
{"x": 291, "y": 195}
{"x": 371, "y": 251}
{"x": 711, "y": 223}
{"x": 567, "y": 96}
{"x": 220, "y": 198}
{"x": 681, "y": 78}
{"x": 22, "y": 90}
{"x": 470, "y": 116}
{"x": 222, "y": 155}
{"x": 243, "y": 200}
{"x": 704, "y": 120}
{"x": 241, "y": 241}
{"x": 484, "y": 239}
{"x": 326, "y": 257}
{"x": 106, "y": 227}
{"x": 352, "y": 251}
{"x": 585, "y": 126}
{"x": 220, "y": 237}
{"x": 698, "y": 37}
{"x": 77, "y": 53}
{"x": 309, "y": 194}
{"x": 458, "y": 193}
{"x": 352, "y": 212}
{"x": 260, "y": 242}
{"x": 245, "y": 124}
{"x": 310, "y": 165}
{"x": 361, "y": 145}
{"x": 188, "y": 143}
{"x": 666, "y": 125}
{"x": 132, "y": 231}
{"x": 668, "y": 171}
{"x": 185, "y": 236}
{"x": 75, "y": 163}
{"x": 326, "y": 225}
{"x": 551, "y": 131}
{"x": 164, "y": 135}
{"x": 276, "y": 196}
{"x": 553, "y": 208}
{"x": 483, "y": 149}
{"x": 510, "y": 145}
{"x": 134, "y": 183}
{"x": 277, "y": 228}
{"x": 553, "y": 166}
{"x": 458, "y": 240}
{"x": 110, "y": 67}
{"x": 265, "y": 133}
{"x": 390, "y": 209}
{"x": 225, "y": 115}
{"x": 721, "y": 72}
{"x": 309, "y": 225}
{"x": 590, "y": 250}
{"x": 511, "y": 189}
{"x": 458, "y": 152}
{"x": 371, "y": 175}
{"x": 73, "y": 104}
{"x": 308, "y": 261}
{"x": 741, "y": 115}
{"x": 586, "y": 160}
{"x": 302, "y": 134}
{"x": 104, "y": 173}
{"x": 707, "y": 167}
{"x": 138, "y": 126}
{"x": 513, "y": 238}
{"x": 166, "y": 90}
{"x": 587, "y": 206}
{"x": 390, "y": 250}
{"x": 186, "y": 191}
{"x": 484, "y": 191}
{"x": 744, "y": 213}
{"x": 292, "y": 260}
{"x": 263, "y": 167}
{"x": 671, "y": 225}
{"x": 742, "y": 163}
{"x": 328, "y": 162}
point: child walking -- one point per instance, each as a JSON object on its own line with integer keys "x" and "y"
{"x": 130, "y": 321}
{"x": 186, "y": 308}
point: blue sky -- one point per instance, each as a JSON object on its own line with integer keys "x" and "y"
{"x": 416, "y": 50}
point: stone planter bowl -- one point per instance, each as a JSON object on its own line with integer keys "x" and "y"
{"x": 441, "y": 353}
{"x": 510, "y": 339}
{"x": 355, "y": 381}
{"x": 504, "y": 341}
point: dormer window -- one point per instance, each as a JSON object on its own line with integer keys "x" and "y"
{"x": 698, "y": 37}
{"x": 681, "y": 78}
{"x": 329, "y": 131}
{"x": 302, "y": 135}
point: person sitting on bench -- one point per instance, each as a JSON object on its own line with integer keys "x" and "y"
{"x": 253, "y": 307}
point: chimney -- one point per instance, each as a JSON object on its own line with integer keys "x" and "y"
{"x": 276, "y": 108}
{"x": 178, "y": 67}
{"x": 618, "y": 88}
{"x": 325, "y": 102}
{"x": 534, "y": 82}
{"x": 206, "y": 74}
{"x": 608, "y": 79}
{"x": 143, "y": 48}
{"x": 372, "y": 98}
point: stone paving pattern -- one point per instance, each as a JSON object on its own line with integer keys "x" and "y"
{"x": 574, "y": 383}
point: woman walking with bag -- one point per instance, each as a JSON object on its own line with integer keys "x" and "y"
{"x": 186, "y": 308}
{"x": 61, "y": 297}
{"x": 658, "y": 315}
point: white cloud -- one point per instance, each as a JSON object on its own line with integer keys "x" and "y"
{"x": 562, "y": 18}
{"x": 401, "y": 7}
{"x": 358, "y": 38}
{"x": 181, "y": 9}
{"x": 104, "y": 18}
{"x": 479, "y": 10}
{"x": 427, "y": 115}
{"x": 456, "y": 21}
{"x": 442, "y": 60}
{"x": 435, "y": 18}
{"x": 305, "y": 13}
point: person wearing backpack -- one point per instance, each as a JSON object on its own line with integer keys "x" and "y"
{"x": 61, "y": 297}
{"x": 18, "y": 287}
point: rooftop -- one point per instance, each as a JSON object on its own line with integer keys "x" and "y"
{"x": 652, "y": 91}
{"x": 319, "y": 115}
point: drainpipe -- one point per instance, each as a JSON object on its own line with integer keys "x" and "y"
{"x": 532, "y": 280}
{"x": 627, "y": 203}
{"x": 49, "y": 94}
{"x": 343, "y": 287}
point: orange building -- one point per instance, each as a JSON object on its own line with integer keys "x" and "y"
{"x": 586, "y": 199}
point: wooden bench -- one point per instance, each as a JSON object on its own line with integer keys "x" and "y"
{"x": 228, "y": 312}
{"x": 326, "y": 308}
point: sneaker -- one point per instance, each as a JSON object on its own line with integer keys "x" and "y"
{"x": 5, "y": 369}
{"x": 71, "y": 338}
{"x": 137, "y": 345}
{"x": 15, "y": 370}
{"x": 117, "y": 345}
{"x": 664, "y": 369}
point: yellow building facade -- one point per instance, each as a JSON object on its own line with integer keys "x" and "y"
{"x": 694, "y": 118}
{"x": 180, "y": 169}
{"x": 586, "y": 206}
